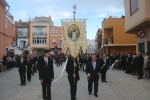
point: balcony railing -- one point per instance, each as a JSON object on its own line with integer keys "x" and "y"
{"x": 39, "y": 34}
{"x": 22, "y": 34}
{"x": 109, "y": 40}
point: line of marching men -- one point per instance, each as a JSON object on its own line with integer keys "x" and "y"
{"x": 96, "y": 66}
{"x": 27, "y": 66}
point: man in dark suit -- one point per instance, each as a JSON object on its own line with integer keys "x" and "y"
{"x": 72, "y": 68}
{"x": 22, "y": 69}
{"x": 81, "y": 62}
{"x": 46, "y": 74}
{"x": 29, "y": 67}
{"x": 93, "y": 71}
{"x": 140, "y": 63}
{"x": 104, "y": 63}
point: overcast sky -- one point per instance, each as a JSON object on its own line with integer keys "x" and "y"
{"x": 93, "y": 10}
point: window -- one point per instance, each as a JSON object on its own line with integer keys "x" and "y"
{"x": 39, "y": 31}
{"x": 53, "y": 41}
{"x": 148, "y": 46}
{"x": 39, "y": 40}
{"x": 60, "y": 41}
{"x": 22, "y": 32}
{"x": 141, "y": 47}
{"x": 133, "y": 6}
{"x": 52, "y": 30}
{"x": 5, "y": 23}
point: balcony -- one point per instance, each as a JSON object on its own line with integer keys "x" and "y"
{"x": 109, "y": 40}
{"x": 20, "y": 34}
{"x": 39, "y": 34}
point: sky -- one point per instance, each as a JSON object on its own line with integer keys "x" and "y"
{"x": 93, "y": 10}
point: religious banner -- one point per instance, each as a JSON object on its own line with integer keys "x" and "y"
{"x": 74, "y": 36}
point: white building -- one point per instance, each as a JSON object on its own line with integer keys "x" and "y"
{"x": 90, "y": 46}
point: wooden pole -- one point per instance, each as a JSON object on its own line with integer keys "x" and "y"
{"x": 74, "y": 72}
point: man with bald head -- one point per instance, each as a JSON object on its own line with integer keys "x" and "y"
{"x": 93, "y": 71}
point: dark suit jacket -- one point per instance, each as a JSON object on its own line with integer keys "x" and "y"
{"x": 46, "y": 73}
{"x": 81, "y": 60}
{"x": 70, "y": 69}
{"x": 87, "y": 60}
{"x": 140, "y": 61}
{"x": 90, "y": 69}
{"x": 29, "y": 64}
{"x": 106, "y": 65}
{"x": 22, "y": 66}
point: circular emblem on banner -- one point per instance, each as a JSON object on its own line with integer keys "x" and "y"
{"x": 73, "y": 32}
{"x": 141, "y": 34}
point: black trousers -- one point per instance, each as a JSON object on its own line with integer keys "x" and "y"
{"x": 46, "y": 89}
{"x": 82, "y": 67}
{"x": 140, "y": 71}
{"x": 60, "y": 62}
{"x": 73, "y": 89}
{"x": 29, "y": 75}
{"x": 57, "y": 62}
{"x": 22, "y": 76}
{"x": 90, "y": 85}
{"x": 103, "y": 74}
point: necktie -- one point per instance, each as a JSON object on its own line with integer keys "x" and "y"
{"x": 46, "y": 62}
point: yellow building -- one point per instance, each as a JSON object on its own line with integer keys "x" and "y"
{"x": 115, "y": 38}
{"x": 137, "y": 22}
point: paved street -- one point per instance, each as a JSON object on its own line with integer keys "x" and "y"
{"x": 120, "y": 86}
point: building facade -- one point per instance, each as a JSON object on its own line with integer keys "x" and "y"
{"x": 22, "y": 36}
{"x": 7, "y": 28}
{"x": 99, "y": 41}
{"x": 39, "y": 34}
{"x": 137, "y": 22}
{"x": 55, "y": 38}
{"x": 90, "y": 46}
{"x": 115, "y": 38}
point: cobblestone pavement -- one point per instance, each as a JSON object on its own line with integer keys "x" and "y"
{"x": 120, "y": 86}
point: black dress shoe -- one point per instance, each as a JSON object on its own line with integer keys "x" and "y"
{"x": 24, "y": 84}
{"x": 89, "y": 93}
{"x": 95, "y": 95}
{"x": 21, "y": 84}
{"x": 75, "y": 97}
{"x": 139, "y": 78}
{"x": 105, "y": 81}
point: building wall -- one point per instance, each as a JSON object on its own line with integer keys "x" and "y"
{"x": 120, "y": 49}
{"x": 117, "y": 31}
{"x": 6, "y": 34}
{"x": 138, "y": 17}
{"x": 2, "y": 28}
{"x": 55, "y": 33}
{"x": 45, "y": 27}
{"x": 143, "y": 40}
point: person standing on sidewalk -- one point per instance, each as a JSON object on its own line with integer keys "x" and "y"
{"x": 72, "y": 77}
{"x": 140, "y": 62}
{"x": 46, "y": 74}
